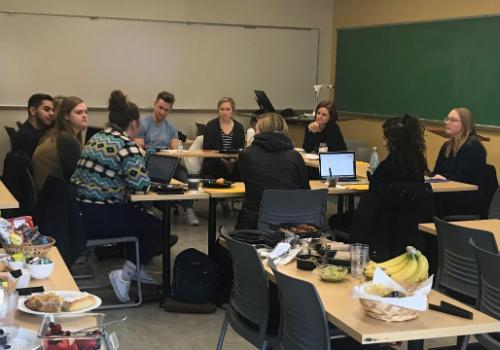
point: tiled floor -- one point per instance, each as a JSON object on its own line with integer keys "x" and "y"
{"x": 150, "y": 327}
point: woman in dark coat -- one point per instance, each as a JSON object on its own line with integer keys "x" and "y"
{"x": 269, "y": 163}
{"x": 222, "y": 133}
{"x": 398, "y": 199}
{"x": 324, "y": 129}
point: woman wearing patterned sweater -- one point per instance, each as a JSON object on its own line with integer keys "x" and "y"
{"x": 111, "y": 166}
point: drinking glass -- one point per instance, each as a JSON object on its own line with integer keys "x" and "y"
{"x": 323, "y": 147}
{"x": 359, "y": 258}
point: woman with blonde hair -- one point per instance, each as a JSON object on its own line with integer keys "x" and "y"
{"x": 270, "y": 163}
{"x": 462, "y": 158}
{"x": 60, "y": 149}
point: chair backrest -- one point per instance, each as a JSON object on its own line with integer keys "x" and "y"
{"x": 19, "y": 124}
{"x": 487, "y": 189}
{"x": 494, "y": 210}
{"x": 304, "y": 324}
{"x": 292, "y": 206}
{"x": 489, "y": 291}
{"x": 457, "y": 267}
{"x": 363, "y": 154}
{"x": 250, "y": 293}
{"x": 11, "y": 132}
{"x": 353, "y": 144}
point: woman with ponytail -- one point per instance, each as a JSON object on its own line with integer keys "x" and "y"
{"x": 112, "y": 166}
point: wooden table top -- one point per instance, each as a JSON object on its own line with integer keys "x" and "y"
{"x": 60, "y": 279}
{"x": 196, "y": 153}
{"x": 491, "y": 225}
{"x": 7, "y": 200}
{"x": 153, "y": 196}
{"x": 348, "y": 314}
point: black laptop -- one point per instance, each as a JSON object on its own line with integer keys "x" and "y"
{"x": 161, "y": 170}
{"x": 263, "y": 101}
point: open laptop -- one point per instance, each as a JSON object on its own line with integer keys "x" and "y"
{"x": 161, "y": 170}
{"x": 341, "y": 165}
{"x": 263, "y": 101}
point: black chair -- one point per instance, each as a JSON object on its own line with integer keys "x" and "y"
{"x": 488, "y": 300}
{"x": 304, "y": 325}
{"x": 249, "y": 304}
{"x": 11, "y": 132}
{"x": 19, "y": 124}
{"x": 292, "y": 206}
{"x": 200, "y": 129}
{"x": 494, "y": 209}
{"x": 457, "y": 268}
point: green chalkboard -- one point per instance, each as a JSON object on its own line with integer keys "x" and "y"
{"x": 421, "y": 68}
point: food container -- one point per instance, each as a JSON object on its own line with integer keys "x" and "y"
{"x": 332, "y": 273}
{"x": 41, "y": 250}
{"x": 40, "y": 271}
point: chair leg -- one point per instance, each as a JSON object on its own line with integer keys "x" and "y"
{"x": 462, "y": 342}
{"x": 222, "y": 334}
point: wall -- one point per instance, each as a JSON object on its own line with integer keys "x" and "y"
{"x": 292, "y": 13}
{"x": 356, "y": 13}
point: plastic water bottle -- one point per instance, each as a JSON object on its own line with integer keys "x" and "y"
{"x": 180, "y": 147}
{"x": 374, "y": 160}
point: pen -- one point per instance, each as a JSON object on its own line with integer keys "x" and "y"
{"x": 452, "y": 311}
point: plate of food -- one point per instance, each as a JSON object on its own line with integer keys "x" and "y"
{"x": 58, "y": 302}
{"x": 219, "y": 183}
{"x": 18, "y": 338}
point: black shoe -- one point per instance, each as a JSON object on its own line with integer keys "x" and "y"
{"x": 173, "y": 239}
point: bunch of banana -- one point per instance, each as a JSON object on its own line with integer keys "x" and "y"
{"x": 411, "y": 266}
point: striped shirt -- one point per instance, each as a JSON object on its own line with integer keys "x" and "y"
{"x": 227, "y": 140}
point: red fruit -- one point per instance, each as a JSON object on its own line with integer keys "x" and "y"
{"x": 86, "y": 344}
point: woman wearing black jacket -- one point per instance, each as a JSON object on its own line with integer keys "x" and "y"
{"x": 222, "y": 133}
{"x": 398, "y": 199}
{"x": 269, "y": 163}
{"x": 324, "y": 129}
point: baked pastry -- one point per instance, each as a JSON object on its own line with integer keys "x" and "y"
{"x": 78, "y": 304}
{"x": 48, "y": 302}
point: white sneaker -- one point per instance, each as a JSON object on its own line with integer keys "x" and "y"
{"x": 120, "y": 286}
{"x": 145, "y": 277}
{"x": 190, "y": 217}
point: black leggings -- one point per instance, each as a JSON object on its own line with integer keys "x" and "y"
{"x": 112, "y": 221}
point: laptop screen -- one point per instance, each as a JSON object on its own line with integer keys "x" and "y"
{"x": 264, "y": 102}
{"x": 341, "y": 164}
{"x": 161, "y": 169}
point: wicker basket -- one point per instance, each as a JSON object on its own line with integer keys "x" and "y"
{"x": 386, "y": 312}
{"x": 30, "y": 250}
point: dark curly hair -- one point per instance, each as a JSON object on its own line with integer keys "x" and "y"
{"x": 406, "y": 144}
{"x": 121, "y": 110}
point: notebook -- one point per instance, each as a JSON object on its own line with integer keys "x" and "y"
{"x": 338, "y": 164}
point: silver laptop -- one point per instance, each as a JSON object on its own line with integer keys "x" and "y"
{"x": 341, "y": 165}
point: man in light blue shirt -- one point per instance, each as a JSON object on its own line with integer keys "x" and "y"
{"x": 156, "y": 132}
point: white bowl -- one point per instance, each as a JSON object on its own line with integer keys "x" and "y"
{"x": 40, "y": 272}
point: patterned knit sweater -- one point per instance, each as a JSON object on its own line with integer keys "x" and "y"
{"x": 111, "y": 166}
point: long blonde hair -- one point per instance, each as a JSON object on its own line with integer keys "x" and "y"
{"x": 468, "y": 131}
{"x": 272, "y": 122}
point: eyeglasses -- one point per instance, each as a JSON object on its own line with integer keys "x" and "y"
{"x": 452, "y": 120}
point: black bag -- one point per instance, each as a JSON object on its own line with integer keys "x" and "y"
{"x": 195, "y": 277}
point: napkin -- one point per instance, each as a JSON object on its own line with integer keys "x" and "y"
{"x": 417, "y": 299}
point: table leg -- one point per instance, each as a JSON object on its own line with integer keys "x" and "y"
{"x": 212, "y": 225}
{"x": 416, "y": 344}
{"x": 350, "y": 202}
{"x": 165, "y": 228}
{"x": 340, "y": 204}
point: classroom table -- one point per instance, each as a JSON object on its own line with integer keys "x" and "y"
{"x": 196, "y": 153}
{"x": 237, "y": 190}
{"x": 491, "y": 225}
{"x": 349, "y": 316}
{"x": 60, "y": 279}
{"x": 166, "y": 199}
{"x": 7, "y": 200}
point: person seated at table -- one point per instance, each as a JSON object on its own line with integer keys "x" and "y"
{"x": 223, "y": 133}
{"x": 324, "y": 129}
{"x": 398, "y": 198}
{"x": 157, "y": 132}
{"x": 60, "y": 149}
{"x": 40, "y": 119}
{"x": 110, "y": 168}
{"x": 462, "y": 158}
{"x": 270, "y": 163}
